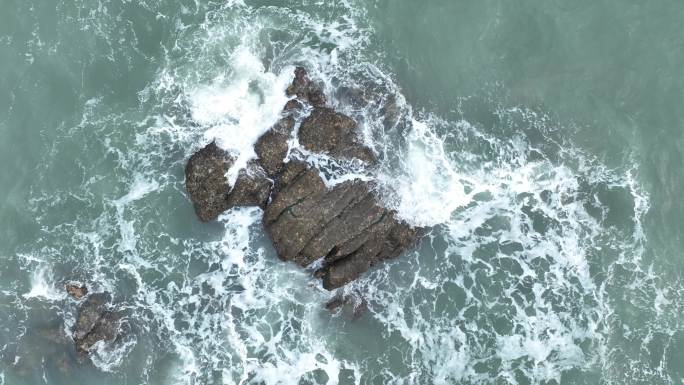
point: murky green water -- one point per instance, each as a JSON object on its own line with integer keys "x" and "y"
{"x": 539, "y": 140}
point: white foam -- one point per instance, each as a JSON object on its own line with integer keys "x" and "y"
{"x": 140, "y": 188}
{"x": 238, "y": 108}
{"x": 431, "y": 188}
{"x": 43, "y": 287}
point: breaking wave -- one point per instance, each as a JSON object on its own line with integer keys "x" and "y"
{"x": 516, "y": 281}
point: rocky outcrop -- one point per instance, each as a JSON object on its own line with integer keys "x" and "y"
{"x": 344, "y": 225}
{"x": 95, "y": 322}
{"x": 210, "y": 192}
{"x": 335, "y": 134}
{"x": 345, "y": 229}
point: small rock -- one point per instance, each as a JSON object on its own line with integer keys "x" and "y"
{"x": 354, "y": 302}
{"x": 205, "y": 180}
{"x": 346, "y": 225}
{"x": 272, "y": 147}
{"x": 391, "y": 112}
{"x": 327, "y": 131}
{"x": 293, "y": 104}
{"x": 76, "y": 290}
{"x": 305, "y": 89}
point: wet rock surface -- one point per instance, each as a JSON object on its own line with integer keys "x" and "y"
{"x": 96, "y": 322}
{"x": 344, "y": 225}
{"x": 271, "y": 148}
{"x": 206, "y": 182}
{"x": 343, "y": 228}
{"x": 353, "y": 305}
{"x": 335, "y": 134}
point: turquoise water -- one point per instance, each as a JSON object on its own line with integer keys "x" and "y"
{"x": 538, "y": 140}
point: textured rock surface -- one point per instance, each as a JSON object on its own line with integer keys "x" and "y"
{"x": 210, "y": 192}
{"x": 205, "y": 180}
{"x": 345, "y": 225}
{"x": 252, "y": 188}
{"x": 327, "y": 131}
{"x": 95, "y": 322}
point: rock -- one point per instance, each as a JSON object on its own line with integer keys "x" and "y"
{"x": 293, "y": 105}
{"x": 252, "y": 187}
{"x": 95, "y": 322}
{"x": 355, "y": 97}
{"x": 210, "y": 192}
{"x": 303, "y": 88}
{"x": 344, "y": 225}
{"x": 205, "y": 180}
{"x": 327, "y": 131}
{"x": 272, "y": 147}
{"x": 76, "y": 290}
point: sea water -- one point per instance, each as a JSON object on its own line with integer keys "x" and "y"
{"x": 538, "y": 142}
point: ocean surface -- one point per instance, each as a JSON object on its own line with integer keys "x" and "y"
{"x": 540, "y": 141}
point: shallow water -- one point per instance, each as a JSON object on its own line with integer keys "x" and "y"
{"x": 538, "y": 140}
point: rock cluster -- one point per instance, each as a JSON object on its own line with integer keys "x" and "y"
{"x": 96, "y": 321}
{"x": 344, "y": 227}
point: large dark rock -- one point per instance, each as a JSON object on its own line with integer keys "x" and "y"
{"x": 327, "y": 131}
{"x": 345, "y": 225}
{"x": 206, "y": 182}
{"x": 305, "y": 89}
{"x": 272, "y": 147}
{"x": 96, "y": 322}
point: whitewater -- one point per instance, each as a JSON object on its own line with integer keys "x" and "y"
{"x": 533, "y": 243}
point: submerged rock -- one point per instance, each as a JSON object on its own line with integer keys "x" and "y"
{"x": 344, "y": 227}
{"x": 327, "y": 131}
{"x": 77, "y": 290}
{"x": 95, "y": 322}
